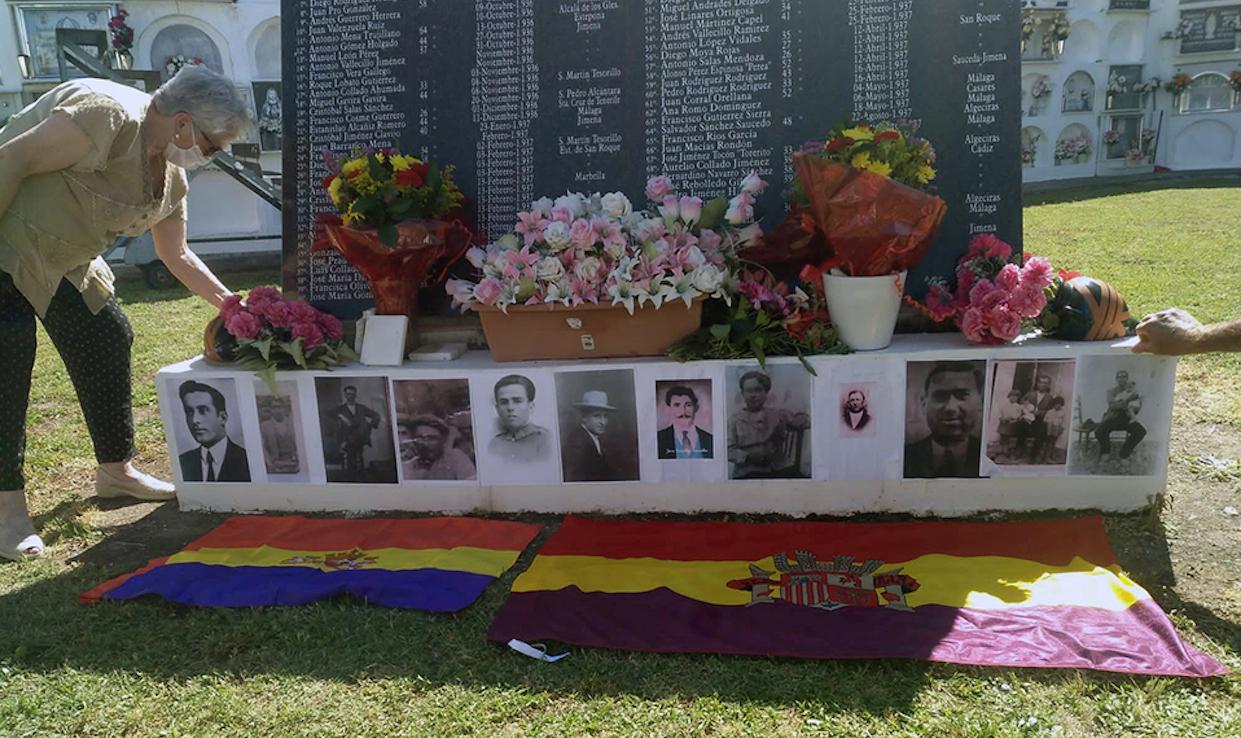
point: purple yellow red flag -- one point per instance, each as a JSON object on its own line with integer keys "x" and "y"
{"x": 438, "y": 564}
{"x": 1014, "y": 594}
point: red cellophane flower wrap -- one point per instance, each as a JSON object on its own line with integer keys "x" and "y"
{"x": 424, "y": 251}
{"x": 873, "y": 224}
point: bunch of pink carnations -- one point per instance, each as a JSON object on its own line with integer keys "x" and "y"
{"x": 274, "y": 333}
{"x": 995, "y": 298}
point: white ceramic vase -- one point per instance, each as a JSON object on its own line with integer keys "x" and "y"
{"x": 864, "y": 309}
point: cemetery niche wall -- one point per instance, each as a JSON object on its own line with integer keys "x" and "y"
{"x": 529, "y": 98}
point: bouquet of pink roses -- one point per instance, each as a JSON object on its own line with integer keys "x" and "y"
{"x": 994, "y": 298}
{"x": 272, "y": 333}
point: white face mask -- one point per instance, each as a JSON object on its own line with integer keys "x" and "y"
{"x": 190, "y": 158}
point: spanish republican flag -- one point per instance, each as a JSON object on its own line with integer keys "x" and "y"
{"x": 1016, "y": 594}
{"x": 437, "y": 564}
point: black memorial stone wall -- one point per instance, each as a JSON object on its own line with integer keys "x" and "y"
{"x": 536, "y": 97}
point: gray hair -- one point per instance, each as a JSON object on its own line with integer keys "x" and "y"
{"x": 212, "y": 101}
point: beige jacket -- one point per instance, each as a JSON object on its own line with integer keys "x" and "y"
{"x": 60, "y": 222}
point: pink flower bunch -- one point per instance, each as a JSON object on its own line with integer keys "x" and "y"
{"x": 597, "y": 248}
{"x": 273, "y": 333}
{"x": 994, "y": 297}
{"x": 266, "y": 315}
{"x": 763, "y": 298}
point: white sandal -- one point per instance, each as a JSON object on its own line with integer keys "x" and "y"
{"x": 18, "y": 540}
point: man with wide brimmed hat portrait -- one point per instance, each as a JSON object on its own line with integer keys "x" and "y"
{"x": 588, "y": 454}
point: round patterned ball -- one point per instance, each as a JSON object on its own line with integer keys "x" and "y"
{"x": 1090, "y": 310}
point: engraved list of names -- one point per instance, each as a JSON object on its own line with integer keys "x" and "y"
{"x": 531, "y": 97}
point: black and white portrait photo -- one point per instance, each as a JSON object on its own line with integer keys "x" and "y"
{"x": 684, "y": 412}
{"x": 856, "y": 418}
{"x": 1028, "y": 412}
{"x": 356, "y": 429}
{"x": 943, "y": 418}
{"x": 280, "y": 432}
{"x": 516, "y": 416}
{"x": 1119, "y": 422}
{"x": 210, "y": 444}
{"x": 435, "y": 430}
{"x": 598, "y": 425}
{"x": 769, "y": 422}
{"x": 268, "y": 115}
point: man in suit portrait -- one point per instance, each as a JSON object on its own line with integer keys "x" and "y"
{"x": 953, "y": 406}
{"x": 683, "y": 439}
{"x": 588, "y": 456}
{"x": 520, "y": 440}
{"x": 217, "y": 458}
{"x": 354, "y": 424}
{"x": 855, "y": 413}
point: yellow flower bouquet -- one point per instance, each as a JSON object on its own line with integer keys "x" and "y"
{"x": 864, "y": 190}
{"x": 399, "y": 222}
{"x": 378, "y": 188}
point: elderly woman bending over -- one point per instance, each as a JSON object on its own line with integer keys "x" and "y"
{"x": 89, "y": 160}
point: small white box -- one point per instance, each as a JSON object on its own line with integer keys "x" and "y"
{"x": 383, "y": 340}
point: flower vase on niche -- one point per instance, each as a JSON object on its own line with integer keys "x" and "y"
{"x": 862, "y": 191}
{"x": 395, "y": 275}
{"x": 397, "y": 227}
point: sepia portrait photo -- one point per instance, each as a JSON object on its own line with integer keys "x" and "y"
{"x": 280, "y": 432}
{"x": 598, "y": 425}
{"x": 356, "y": 429}
{"x": 517, "y": 418}
{"x": 435, "y": 430}
{"x": 769, "y": 422}
{"x": 856, "y": 418}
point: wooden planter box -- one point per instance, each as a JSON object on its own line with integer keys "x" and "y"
{"x": 529, "y": 332}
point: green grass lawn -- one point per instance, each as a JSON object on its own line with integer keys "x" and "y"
{"x": 342, "y": 668}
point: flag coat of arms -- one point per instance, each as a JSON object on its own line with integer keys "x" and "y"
{"x": 1015, "y": 594}
{"x": 437, "y": 564}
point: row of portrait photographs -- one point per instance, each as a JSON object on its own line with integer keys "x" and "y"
{"x": 1099, "y": 415}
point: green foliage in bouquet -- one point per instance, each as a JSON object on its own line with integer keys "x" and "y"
{"x": 765, "y": 321}
{"x": 269, "y": 334}
{"x": 378, "y": 189}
